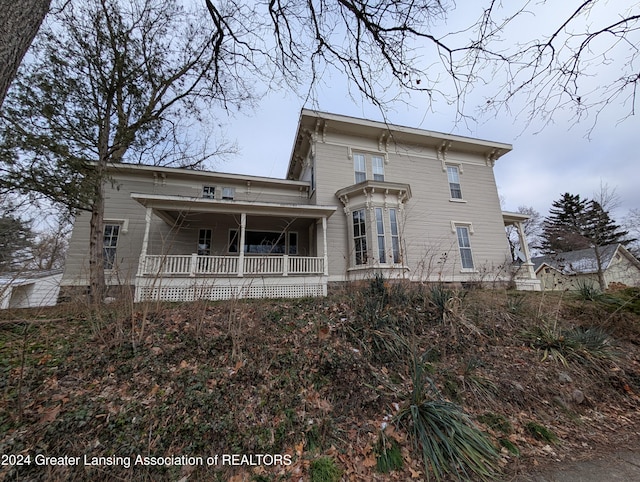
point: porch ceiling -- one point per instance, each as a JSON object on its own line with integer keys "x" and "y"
{"x": 170, "y": 208}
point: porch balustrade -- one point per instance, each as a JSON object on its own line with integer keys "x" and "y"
{"x": 194, "y": 265}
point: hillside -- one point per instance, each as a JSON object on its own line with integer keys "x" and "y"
{"x": 341, "y": 388}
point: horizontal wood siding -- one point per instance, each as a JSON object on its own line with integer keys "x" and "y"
{"x": 430, "y": 245}
{"x": 165, "y": 239}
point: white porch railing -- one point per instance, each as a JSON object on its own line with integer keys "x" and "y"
{"x": 194, "y": 265}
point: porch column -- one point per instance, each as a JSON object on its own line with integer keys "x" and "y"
{"x": 525, "y": 249}
{"x": 324, "y": 246}
{"x": 145, "y": 242}
{"x": 243, "y": 227}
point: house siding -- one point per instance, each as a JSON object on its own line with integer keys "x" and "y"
{"x": 622, "y": 270}
{"x": 431, "y": 249}
{"x": 415, "y": 184}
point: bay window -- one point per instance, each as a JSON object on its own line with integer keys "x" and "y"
{"x": 360, "y": 236}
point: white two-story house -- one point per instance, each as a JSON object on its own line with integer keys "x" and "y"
{"x": 361, "y": 199}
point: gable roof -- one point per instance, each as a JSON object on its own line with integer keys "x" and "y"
{"x": 582, "y": 261}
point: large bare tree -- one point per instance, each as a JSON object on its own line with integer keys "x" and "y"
{"x": 533, "y": 56}
{"x": 536, "y": 56}
{"x": 110, "y": 82}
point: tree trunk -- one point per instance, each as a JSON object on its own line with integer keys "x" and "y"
{"x": 97, "y": 285}
{"x": 19, "y": 23}
{"x": 601, "y": 281}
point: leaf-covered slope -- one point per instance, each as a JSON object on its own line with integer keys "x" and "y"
{"x": 309, "y": 380}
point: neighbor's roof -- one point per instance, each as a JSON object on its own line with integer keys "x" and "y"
{"x": 26, "y": 277}
{"x": 582, "y": 261}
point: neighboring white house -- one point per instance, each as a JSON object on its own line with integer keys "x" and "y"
{"x": 571, "y": 270}
{"x": 29, "y": 289}
{"x": 361, "y": 198}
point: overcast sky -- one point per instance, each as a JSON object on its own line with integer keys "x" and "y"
{"x": 560, "y": 158}
{"x": 540, "y": 168}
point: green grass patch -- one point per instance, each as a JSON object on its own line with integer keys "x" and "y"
{"x": 324, "y": 469}
{"x": 541, "y": 433}
{"x": 495, "y": 421}
{"x": 388, "y": 455}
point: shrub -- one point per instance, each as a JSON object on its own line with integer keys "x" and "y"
{"x": 587, "y": 290}
{"x": 444, "y": 434}
{"x": 444, "y": 300}
{"x": 585, "y": 345}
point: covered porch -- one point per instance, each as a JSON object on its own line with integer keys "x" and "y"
{"x": 224, "y": 249}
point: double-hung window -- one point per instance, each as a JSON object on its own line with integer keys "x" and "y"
{"x": 228, "y": 193}
{"x": 395, "y": 235}
{"x": 360, "y": 162}
{"x": 110, "y": 243}
{"x": 382, "y": 256}
{"x": 360, "y": 168}
{"x": 464, "y": 243}
{"x": 453, "y": 175}
{"x": 360, "y": 236}
{"x": 377, "y": 166}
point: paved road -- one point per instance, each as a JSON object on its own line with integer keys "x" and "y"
{"x": 623, "y": 465}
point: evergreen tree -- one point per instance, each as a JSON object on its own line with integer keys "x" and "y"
{"x": 600, "y": 229}
{"x": 564, "y": 227}
{"x": 574, "y": 223}
{"x": 16, "y": 238}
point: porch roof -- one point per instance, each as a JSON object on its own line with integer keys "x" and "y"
{"x": 512, "y": 218}
{"x": 171, "y": 207}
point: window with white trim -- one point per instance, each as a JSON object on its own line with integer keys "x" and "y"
{"x": 395, "y": 235}
{"x": 464, "y": 244}
{"x": 382, "y": 255}
{"x": 453, "y": 175}
{"x": 110, "y": 244}
{"x": 377, "y": 166}
{"x": 208, "y": 192}
{"x": 228, "y": 193}
{"x": 359, "y": 236}
{"x": 360, "y": 167}
{"x": 360, "y": 162}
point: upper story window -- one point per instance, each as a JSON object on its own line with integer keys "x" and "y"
{"x": 110, "y": 243}
{"x": 360, "y": 167}
{"x": 228, "y": 193}
{"x": 377, "y": 166}
{"x": 453, "y": 174}
{"x": 360, "y": 164}
{"x": 208, "y": 192}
